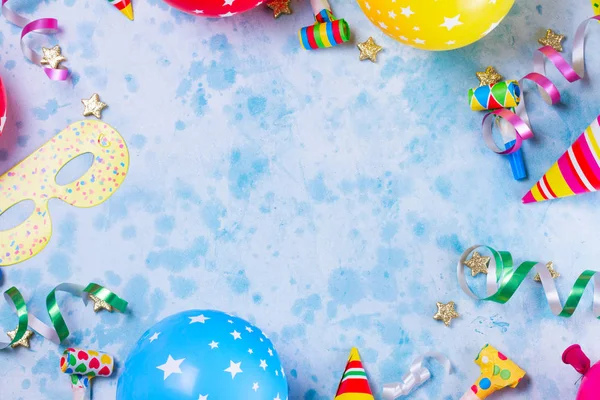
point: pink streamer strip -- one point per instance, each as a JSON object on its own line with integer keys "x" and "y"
{"x": 44, "y": 26}
{"x": 519, "y": 120}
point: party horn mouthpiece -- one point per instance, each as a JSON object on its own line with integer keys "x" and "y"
{"x": 576, "y": 358}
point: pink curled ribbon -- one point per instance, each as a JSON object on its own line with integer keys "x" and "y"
{"x": 43, "y": 26}
{"x": 518, "y": 121}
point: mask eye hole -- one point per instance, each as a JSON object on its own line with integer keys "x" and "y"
{"x": 16, "y": 214}
{"x": 74, "y": 169}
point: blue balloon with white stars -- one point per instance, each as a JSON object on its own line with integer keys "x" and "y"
{"x": 203, "y": 355}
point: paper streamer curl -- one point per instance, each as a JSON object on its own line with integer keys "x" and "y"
{"x": 59, "y": 330}
{"x": 503, "y": 281}
{"x": 417, "y": 376}
{"x": 44, "y": 26}
{"x": 518, "y": 121}
{"x": 327, "y": 31}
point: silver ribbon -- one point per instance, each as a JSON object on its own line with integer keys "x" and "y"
{"x": 492, "y": 283}
{"x": 417, "y": 376}
{"x": 46, "y": 330}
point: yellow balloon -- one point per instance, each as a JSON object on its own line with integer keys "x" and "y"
{"x": 436, "y": 24}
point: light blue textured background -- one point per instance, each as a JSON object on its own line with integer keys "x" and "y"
{"x": 324, "y": 199}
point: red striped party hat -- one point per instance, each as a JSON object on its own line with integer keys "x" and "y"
{"x": 124, "y": 6}
{"x": 577, "y": 171}
{"x": 354, "y": 384}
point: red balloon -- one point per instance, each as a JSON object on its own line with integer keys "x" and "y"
{"x": 3, "y": 105}
{"x": 214, "y": 8}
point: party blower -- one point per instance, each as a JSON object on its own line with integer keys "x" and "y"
{"x": 83, "y": 366}
{"x": 505, "y": 94}
{"x": 497, "y": 372}
{"x": 327, "y": 31}
{"x": 590, "y": 383}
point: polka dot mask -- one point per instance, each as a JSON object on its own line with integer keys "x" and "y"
{"x": 35, "y": 179}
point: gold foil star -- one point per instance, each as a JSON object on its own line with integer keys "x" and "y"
{"x": 93, "y": 106}
{"x": 553, "y": 273}
{"x": 446, "y": 312}
{"x": 100, "y": 304}
{"x": 489, "y": 77}
{"x": 369, "y": 49}
{"x": 478, "y": 264}
{"x": 279, "y": 7}
{"x": 24, "y": 341}
{"x": 52, "y": 57}
{"x": 553, "y": 40}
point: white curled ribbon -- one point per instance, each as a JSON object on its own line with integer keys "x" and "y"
{"x": 417, "y": 376}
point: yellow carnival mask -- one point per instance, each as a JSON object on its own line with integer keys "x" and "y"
{"x": 35, "y": 179}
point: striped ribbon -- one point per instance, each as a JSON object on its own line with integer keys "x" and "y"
{"x": 59, "y": 330}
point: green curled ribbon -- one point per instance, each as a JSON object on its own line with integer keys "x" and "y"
{"x": 503, "y": 280}
{"x": 14, "y": 297}
{"x": 59, "y": 330}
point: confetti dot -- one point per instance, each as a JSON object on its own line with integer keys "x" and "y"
{"x": 496, "y": 370}
{"x": 485, "y": 383}
{"x": 505, "y": 374}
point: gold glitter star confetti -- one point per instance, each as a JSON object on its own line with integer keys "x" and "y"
{"x": 489, "y": 77}
{"x": 369, "y": 50}
{"x": 478, "y": 264}
{"x": 446, "y": 312}
{"x": 52, "y": 57}
{"x": 24, "y": 341}
{"x": 279, "y": 7}
{"x": 553, "y": 273}
{"x": 100, "y": 304}
{"x": 553, "y": 40}
{"x": 93, "y": 106}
